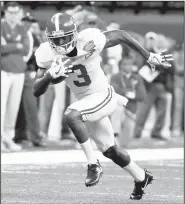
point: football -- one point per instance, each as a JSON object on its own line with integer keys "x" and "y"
{"x": 57, "y": 80}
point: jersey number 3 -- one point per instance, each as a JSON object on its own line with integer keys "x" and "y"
{"x": 83, "y": 75}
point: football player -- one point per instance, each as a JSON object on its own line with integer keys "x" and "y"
{"x": 74, "y": 57}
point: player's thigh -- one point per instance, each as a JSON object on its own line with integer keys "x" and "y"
{"x": 102, "y": 133}
{"x": 117, "y": 118}
{"x": 96, "y": 106}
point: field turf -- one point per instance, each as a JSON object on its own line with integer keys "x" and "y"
{"x": 57, "y": 177}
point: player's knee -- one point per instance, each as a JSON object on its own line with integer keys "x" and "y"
{"x": 72, "y": 116}
{"x": 118, "y": 156}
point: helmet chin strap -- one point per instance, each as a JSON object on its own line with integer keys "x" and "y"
{"x": 63, "y": 50}
{"x": 67, "y": 48}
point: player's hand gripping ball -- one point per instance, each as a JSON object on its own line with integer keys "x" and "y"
{"x": 60, "y": 69}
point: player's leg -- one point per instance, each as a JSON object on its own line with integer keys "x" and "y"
{"x": 141, "y": 177}
{"x": 75, "y": 116}
{"x": 6, "y": 85}
{"x": 104, "y": 138}
{"x": 13, "y": 105}
{"x": 74, "y": 119}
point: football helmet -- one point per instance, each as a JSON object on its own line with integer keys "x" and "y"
{"x": 61, "y": 32}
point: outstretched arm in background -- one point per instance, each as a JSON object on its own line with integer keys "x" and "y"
{"x": 116, "y": 37}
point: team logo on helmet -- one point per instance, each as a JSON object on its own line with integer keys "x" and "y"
{"x": 58, "y": 33}
{"x": 69, "y": 23}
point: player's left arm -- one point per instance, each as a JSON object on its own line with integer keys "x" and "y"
{"x": 116, "y": 37}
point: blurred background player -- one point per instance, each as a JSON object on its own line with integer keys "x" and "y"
{"x": 14, "y": 45}
{"x": 114, "y": 54}
{"x": 156, "y": 89}
{"x": 129, "y": 84}
{"x": 32, "y": 129}
{"x": 178, "y": 91}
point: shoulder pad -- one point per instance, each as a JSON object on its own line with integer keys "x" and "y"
{"x": 89, "y": 33}
{"x": 44, "y": 55}
{"x": 95, "y": 35}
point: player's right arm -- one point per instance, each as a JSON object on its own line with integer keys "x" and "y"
{"x": 42, "y": 78}
{"x": 55, "y": 74}
{"x": 50, "y": 70}
{"x": 41, "y": 82}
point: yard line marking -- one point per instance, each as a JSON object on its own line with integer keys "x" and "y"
{"x": 20, "y": 201}
{"x": 72, "y": 156}
{"x": 73, "y": 174}
{"x": 118, "y": 193}
{"x": 167, "y": 196}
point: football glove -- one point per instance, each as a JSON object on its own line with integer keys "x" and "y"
{"x": 59, "y": 68}
{"x": 160, "y": 59}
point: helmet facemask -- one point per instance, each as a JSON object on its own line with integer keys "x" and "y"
{"x": 62, "y": 43}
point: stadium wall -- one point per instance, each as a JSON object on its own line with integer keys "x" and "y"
{"x": 171, "y": 25}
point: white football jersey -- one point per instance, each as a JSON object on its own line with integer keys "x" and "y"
{"x": 88, "y": 77}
